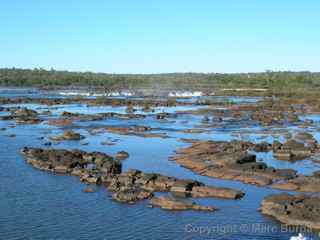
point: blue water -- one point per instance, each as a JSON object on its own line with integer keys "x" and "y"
{"x": 41, "y": 205}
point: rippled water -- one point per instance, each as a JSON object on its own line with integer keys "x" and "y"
{"x": 41, "y": 205}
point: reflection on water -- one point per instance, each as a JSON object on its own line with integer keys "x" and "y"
{"x": 40, "y": 205}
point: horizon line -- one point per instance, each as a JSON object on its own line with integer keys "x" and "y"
{"x": 156, "y": 73}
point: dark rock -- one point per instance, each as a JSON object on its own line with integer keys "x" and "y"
{"x": 127, "y": 187}
{"x": 316, "y": 174}
{"x": 131, "y": 195}
{"x": 64, "y": 161}
{"x": 262, "y": 147}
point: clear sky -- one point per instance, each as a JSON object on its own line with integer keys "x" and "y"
{"x": 152, "y": 36}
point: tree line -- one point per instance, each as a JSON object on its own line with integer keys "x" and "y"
{"x": 284, "y": 80}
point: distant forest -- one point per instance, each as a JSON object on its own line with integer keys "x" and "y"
{"x": 278, "y": 81}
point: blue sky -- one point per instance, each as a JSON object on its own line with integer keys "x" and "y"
{"x": 148, "y": 36}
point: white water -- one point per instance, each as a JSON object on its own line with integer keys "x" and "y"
{"x": 185, "y": 94}
{"x": 92, "y": 94}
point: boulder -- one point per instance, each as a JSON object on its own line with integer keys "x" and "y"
{"x": 184, "y": 186}
{"x": 68, "y": 136}
{"x": 122, "y": 155}
{"x": 131, "y": 195}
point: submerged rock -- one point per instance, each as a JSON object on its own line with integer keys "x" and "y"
{"x": 88, "y": 190}
{"x": 11, "y": 135}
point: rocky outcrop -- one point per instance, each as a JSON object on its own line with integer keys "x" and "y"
{"x": 158, "y": 183}
{"x": 301, "y": 184}
{"x": 99, "y": 116}
{"x": 229, "y": 160}
{"x": 22, "y": 115}
{"x": 293, "y": 150}
{"x": 205, "y": 191}
{"x": 126, "y": 187}
{"x": 59, "y": 122}
{"x": 24, "y": 112}
{"x": 93, "y": 102}
{"x": 175, "y": 204}
{"x": 299, "y": 210}
{"x": 88, "y": 166}
{"x": 67, "y": 136}
{"x": 139, "y": 131}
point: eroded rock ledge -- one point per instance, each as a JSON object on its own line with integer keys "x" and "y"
{"x": 171, "y": 203}
{"x": 299, "y": 210}
{"x": 301, "y": 146}
{"x": 127, "y": 187}
{"x": 231, "y": 161}
{"x": 301, "y": 183}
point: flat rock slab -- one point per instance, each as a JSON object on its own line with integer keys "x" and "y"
{"x": 299, "y": 210}
{"x": 301, "y": 184}
{"x": 231, "y": 161}
{"x": 174, "y": 204}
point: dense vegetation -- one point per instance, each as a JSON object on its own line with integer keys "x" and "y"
{"x": 277, "y": 81}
